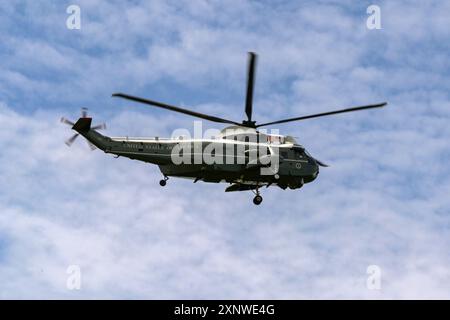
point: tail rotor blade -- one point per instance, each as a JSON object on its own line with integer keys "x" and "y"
{"x": 91, "y": 146}
{"x": 71, "y": 139}
{"x": 99, "y": 127}
{"x": 68, "y": 122}
{"x": 84, "y": 112}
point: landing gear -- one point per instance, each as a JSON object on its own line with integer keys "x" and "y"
{"x": 297, "y": 184}
{"x": 257, "y": 199}
{"x": 163, "y": 182}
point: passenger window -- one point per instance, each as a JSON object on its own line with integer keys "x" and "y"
{"x": 265, "y": 151}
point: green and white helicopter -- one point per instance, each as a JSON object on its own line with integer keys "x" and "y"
{"x": 240, "y": 155}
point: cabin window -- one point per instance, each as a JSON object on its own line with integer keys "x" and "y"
{"x": 264, "y": 151}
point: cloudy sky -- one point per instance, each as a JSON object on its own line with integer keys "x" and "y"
{"x": 384, "y": 200}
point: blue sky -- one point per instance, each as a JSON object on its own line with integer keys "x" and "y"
{"x": 384, "y": 200}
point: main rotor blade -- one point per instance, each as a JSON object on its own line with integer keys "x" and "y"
{"x": 379, "y": 105}
{"x": 320, "y": 163}
{"x": 71, "y": 139}
{"x": 173, "y": 108}
{"x": 250, "y": 84}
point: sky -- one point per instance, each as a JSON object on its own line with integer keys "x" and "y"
{"x": 382, "y": 202}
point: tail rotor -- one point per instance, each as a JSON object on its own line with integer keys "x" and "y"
{"x": 84, "y": 114}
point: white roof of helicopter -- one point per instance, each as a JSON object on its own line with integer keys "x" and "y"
{"x": 228, "y": 133}
{"x": 233, "y": 131}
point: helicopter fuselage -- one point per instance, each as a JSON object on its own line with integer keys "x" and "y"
{"x": 227, "y": 164}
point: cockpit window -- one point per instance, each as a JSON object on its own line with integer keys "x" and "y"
{"x": 307, "y": 153}
{"x": 298, "y": 151}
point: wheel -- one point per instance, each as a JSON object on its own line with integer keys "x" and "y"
{"x": 257, "y": 199}
{"x": 162, "y": 183}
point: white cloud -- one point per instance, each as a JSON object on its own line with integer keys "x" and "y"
{"x": 383, "y": 200}
{"x": 64, "y": 206}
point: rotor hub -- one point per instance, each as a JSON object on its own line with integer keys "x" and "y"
{"x": 250, "y": 124}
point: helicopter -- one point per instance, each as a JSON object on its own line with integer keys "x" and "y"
{"x": 241, "y": 155}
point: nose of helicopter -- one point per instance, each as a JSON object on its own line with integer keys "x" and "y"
{"x": 314, "y": 168}
{"x": 315, "y": 165}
